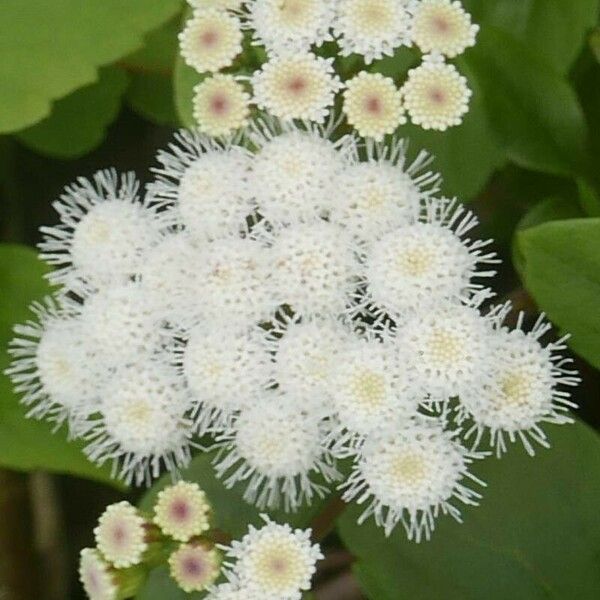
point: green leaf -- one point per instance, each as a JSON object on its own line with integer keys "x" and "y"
{"x": 552, "y": 29}
{"x": 588, "y": 198}
{"x": 160, "y": 586}
{"x": 551, "y": 209}
{"x": 535, "y": 536}
{"x": 25, "y": 444}
{"x": 49, "y": 49}
{"x": 78, "y": 122}
{"x": 232, "y": 513}
{"x": 562, "y": 272}
{"x": 466, "y": 155}
{"x": 184, "y": 82}
{"x": 151, "y": 92}
{"x": 533, "y": 109}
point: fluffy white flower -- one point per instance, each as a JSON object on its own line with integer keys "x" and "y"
{"x": 232, "y": 591}
{"x": 194, "y": 567}
{"x": 182, "y": 511}
{"x": 284, "y": 25}
{"x": 274, "y": 561}
{"x": 96, "y": 576}
{"x": 120, "y": 323}
{"x": 121, "y": 535}
{"x": 372, "y": 387}
{"x": 436, "y": 95}
{"x": 373, "y": 28}
{"x": 205, "y": 185}
{"x": 373, "y": 105}
{"x": 233, "y": 280}
{"x": 210, "y": 40}
{"x": 225, "y": 370}
{"x": 526, "y": 388}
{"x": 306, "y": 352}
{"x": 51, "y": 367}
{"x": 103, "y": 234}
{"x": 296, "y": 86}
{"x": 448, "y": 348}
{"x": 221, "y": 282}
{"x": 295, "y": 171}
{"x": 221, "y": 105}
{"x": 276, "y": 447}
{"x": 383, "y": 192}
{"x": 141, "y": 423}
{"x": 411, "y": 474}
{"x": 442, "y": 26}
{"x": 218, "y": 4}
{"x": 425, "y": 262}
{"x": 314, "y": 268}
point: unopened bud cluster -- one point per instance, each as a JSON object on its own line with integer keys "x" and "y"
{"x": 272, "y": 561}
{"x": 315, "y": 49}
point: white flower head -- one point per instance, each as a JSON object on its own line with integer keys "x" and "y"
{"x": 371, "y": 387}
{"x": 306, "y": 352}
{"x": 119, "y": 323}
{"x": 276, "y": 448}
{"x": 436, "y": 96}
{"x": 448, "y": 348}
{"x": 442, "y": 26}
{"x": 96, "y": 576}
{"x": 205, "y": 185}
{"x": 296, "y": 86}
{"x": 142, "y": 423}
{"x": 121, "y": 535}
{"x": 373, "y": 105}
{"x": 274, "y": 561}
{"x": 225, "y": 370}
{"x": 194, "y": 567}
{"x": 182, "y": 511}
{"x": 295, "y": 171}
{"x": 232, "y": 278}
{"x": 221, "y": 105}
{"x": 216, "y": 4}
{"x": 411, "y": 474}
{"x": 424, "y": 262}
{"x": 51, "y": 367}
{"x": 526, "y": 388}
{"x": 231, "y": 590}
{"x": 103, "y": 234}
{"x": 373, "y": 28}
{"x": 211, "y": 40}
{"x": 383, "y": 192}
{"x": 314, "y": 268}
{"x": 283, "y": 25}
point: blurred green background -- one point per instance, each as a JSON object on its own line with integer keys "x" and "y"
{"x": 89, "y": 84}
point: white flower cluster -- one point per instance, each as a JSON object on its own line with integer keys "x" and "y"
{"x": 309, "y": 300}
{"x": 295, "y": 83}
{"x": 272, "y": 561}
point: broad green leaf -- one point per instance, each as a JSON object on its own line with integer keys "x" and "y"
{"x": 184, "y": 82}
{"x": 232, "y": 513}
{"x": 465, "y": 155}
{"x": 588, "y": 198}
{"x": 551, "y": 209}
{"x": 78, "y": 122}
{"x": 561, "y": 270}
{"x": 552, "y": 29}
{"x": 51, "y": 48}
{"x": 151, "y": 92}
{"x": 533, "y": 109}
{"x": 25, "y": 444}
{"x": 160, "y": 586}
{"x": 536, "y": 535}
{"x": 151, "y": 95}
